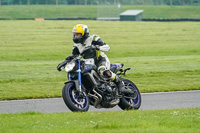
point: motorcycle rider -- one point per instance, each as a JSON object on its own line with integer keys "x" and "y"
{"x": 82, "y": 40}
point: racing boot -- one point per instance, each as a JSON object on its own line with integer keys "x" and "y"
{"x": 121, "y": 86}
{"x": 115, "y": 78}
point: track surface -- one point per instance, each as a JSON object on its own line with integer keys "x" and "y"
{"x": 150, "y": 101}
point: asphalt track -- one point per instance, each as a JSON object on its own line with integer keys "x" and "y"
{"x": 150, "y": 101}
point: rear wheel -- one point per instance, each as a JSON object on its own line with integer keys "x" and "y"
{"x": 72, "y": 99}
{"x": 130, "y": 103}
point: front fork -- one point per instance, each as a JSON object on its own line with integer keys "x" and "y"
{"x": 78, "y": 86}
{"x": 79, "y": 74}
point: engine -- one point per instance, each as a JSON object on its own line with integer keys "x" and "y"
{"x": 109, "y": 95}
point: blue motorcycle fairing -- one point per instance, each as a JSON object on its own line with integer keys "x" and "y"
{"x": 118, "y": 65}
{"x": 87, "y": 68}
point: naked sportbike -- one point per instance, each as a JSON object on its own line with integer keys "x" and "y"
{"x": 85, "y": 87}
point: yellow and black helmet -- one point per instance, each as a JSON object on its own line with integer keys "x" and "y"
{"x": 80, "y": 28}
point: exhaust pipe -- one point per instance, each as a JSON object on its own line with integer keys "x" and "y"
{"x": 97, "y": 97}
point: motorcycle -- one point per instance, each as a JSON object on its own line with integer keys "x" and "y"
{"x": 85, "y": 87}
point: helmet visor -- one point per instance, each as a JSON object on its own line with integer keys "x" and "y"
{"x": 77, "y": 37}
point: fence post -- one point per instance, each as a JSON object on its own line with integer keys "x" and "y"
{"x": 182, "y": 2}
{"x": 56, "y": 2}
{"x": 142, "y": 2}
{"x": 115, "y": 2}
{"x": 170, "y": 2}
{"x": 159, "y": 2}
{"x": 0, "y": 2}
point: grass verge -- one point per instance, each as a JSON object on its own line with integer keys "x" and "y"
{"x": 173, "y": 120}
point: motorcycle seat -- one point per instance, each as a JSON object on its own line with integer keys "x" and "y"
{"x": 116, "y": 67}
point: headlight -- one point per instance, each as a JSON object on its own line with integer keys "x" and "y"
{"x": 69, "y": 67}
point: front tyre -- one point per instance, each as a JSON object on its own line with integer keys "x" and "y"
{"x": 72, "y": 99}
{"x": 127, "y": 103}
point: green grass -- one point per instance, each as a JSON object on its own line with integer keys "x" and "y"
{"x": 163, "y": 56}
{"x": 80, "y": 11}
{"x": 164, "y": 121}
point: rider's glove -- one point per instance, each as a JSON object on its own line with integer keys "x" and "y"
{"x": 61, "y": 65}
{"x": 70, "y": 57}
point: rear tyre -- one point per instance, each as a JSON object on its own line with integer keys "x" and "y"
{"x": 127, "y": 103}
{"x": 72, "y": 99}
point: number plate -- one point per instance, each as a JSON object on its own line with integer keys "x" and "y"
{"x": 89, "y": 61}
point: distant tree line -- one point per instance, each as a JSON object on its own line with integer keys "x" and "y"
{"x": 96, "y": 2}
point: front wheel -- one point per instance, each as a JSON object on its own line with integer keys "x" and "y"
{"x": 127, "y": 103}
{"x": 72, "y": 99}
